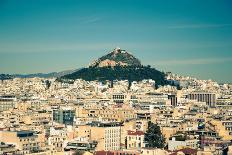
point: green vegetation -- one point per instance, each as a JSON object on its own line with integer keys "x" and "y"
{"x": 153, "y": 136}
{"x": 130, "y": 73}
{"x": 5, "y": 77}
{"x": 133, "y": 71}
{"x": 48, "y": 84}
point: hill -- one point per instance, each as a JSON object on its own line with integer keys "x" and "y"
{"x": 117, "y": 65}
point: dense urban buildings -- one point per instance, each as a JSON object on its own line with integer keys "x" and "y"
{"x": 166, "y": 115}
{"x": 53, "y": 101}
{"x": 98, "y": 118}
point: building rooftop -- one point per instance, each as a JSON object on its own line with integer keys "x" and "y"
{"x": 108, "y": 124}
{"x": 139, "y": 133}
{"x": 25, "y": 133}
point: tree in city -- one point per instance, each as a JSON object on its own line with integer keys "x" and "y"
{"x": 78, "y": 152}
{"x": 153, "y": 136}
{"x": 48, "y": 84}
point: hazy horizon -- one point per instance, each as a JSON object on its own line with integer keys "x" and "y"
{"x": 185, "y": 37}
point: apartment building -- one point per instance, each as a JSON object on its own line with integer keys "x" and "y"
{"x": 209, "y": 98}
{"x": 26, "y": 141}
{"x": 228, "y": 126}
{"x": 110, "y": 114}
{"x": 119, "y": 98}
{"x": 135, "y": 140}
{"x": 7, "y": 148}
{"x": 224, "y": 102}
{"x": 180, "y": 142}
{"x": 64, "y": 116}
{"x": 108, "y": 135}
{"x": 7, "y": 102}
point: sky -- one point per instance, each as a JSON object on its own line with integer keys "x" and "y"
{"x": 187, "y": 37}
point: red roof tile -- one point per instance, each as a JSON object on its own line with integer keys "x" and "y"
{"x": 139, "y": 133}
{"x": 103, "y": 153}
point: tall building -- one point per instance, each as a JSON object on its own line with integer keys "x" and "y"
{"x": 7, "y": 102}
{"x": 173, "y": 99}
{"x": 119, "y": 98}
{"x": 64, "y": 116}
{"x": 209, "y": 98}
{"x": 108, "y": 135}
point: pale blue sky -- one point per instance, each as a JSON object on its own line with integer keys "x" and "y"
{"x": 188, "y": 37}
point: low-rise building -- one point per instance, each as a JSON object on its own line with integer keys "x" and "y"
{"x": 135, "y": 140}
{"x": 179, "y": 142}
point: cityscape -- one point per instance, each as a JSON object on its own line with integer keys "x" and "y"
{"x": 136, "y": 99}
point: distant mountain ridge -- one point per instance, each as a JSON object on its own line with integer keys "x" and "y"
{"x": 45, "y": 75}
{"x": 6, "y": 76}
{"x": 41, "y": 75}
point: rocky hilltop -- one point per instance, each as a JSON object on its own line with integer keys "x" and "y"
{"x": 117, "y": 57}
{"x": 117, "y": 65}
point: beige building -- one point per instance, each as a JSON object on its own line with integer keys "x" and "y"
{"x": 7, "y": 148}
{"x": 7, "y": 103}
{"x": 222, "y": 129}
{"x": 26, "y": 141}
{"x": 107, "y": 135}
{"x": 37, "y": 118}
{"x": 110, "y": 114}
{"x": 168, "y": 131}
{"x": 135, "y": 140}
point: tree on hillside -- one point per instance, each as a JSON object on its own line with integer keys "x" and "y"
{"x": 131, "y": 73}
{"x": 154, "y": 137}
